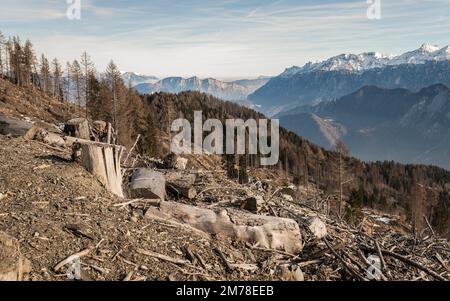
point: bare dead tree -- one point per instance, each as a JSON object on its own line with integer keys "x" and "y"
{"x": 342, "y": 149}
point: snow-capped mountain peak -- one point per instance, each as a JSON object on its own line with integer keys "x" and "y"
{"x": 428, "y": 48}
{"x": 370, "y": 60}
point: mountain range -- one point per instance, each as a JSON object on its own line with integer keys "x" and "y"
{"x": 232, "y": 91}
{"x": 136, "y": 78}
{"x": 384, "y": 107}
{"x": 381, "y": 124}
{"x": 346, "y": 73}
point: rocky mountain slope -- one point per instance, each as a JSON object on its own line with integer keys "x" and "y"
{"x": 382, "y": 124}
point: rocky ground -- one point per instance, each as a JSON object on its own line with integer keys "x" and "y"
{"x": 55, "y": 208}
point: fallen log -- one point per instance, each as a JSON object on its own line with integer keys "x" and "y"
{"x": 268, "y": 231}
{"x": 13, "y": 266}
{"x": 38, "y": 126}
{"x": 181, "y": 185}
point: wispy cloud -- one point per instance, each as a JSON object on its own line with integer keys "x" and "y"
{"x": 224, "y": 37}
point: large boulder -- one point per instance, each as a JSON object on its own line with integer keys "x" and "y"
{"x": 147, "y": 183}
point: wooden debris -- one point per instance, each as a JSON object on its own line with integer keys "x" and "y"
{"x": 409, "y": 262}
{"x": 131, "y": 149}
{"x": 344, "y": 263}
{"x": 72, "y": 258}
{"x": 13, "y": 266}
{"x": 270, "y": 232}
{"x": 181, "y": 184}
{"x": 103, "y": 161}
{"x": 228, "y": 266}
{"x": 162, "y": 257}
{"x": 78, "y": 128}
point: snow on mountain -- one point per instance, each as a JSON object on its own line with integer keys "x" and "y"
{"x": 234, "y": 91}
{"x": 370, "y": 60}
{"x": 136, "y": 78}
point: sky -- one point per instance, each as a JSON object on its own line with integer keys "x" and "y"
{"x": 222, "y": 38}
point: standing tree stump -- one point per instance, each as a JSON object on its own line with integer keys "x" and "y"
{"x": 78, "y": 128}
{"x": 13, "y": 266}
{"x": 103, "y": 161}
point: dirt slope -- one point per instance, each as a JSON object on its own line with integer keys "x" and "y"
{"x": 44, "y": 193}
{"x": 21, "y": 101}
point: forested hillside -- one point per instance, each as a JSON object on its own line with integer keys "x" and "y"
{"x": 412, "y": 189}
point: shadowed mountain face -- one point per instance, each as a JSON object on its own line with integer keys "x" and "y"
{"x": 381, "y": 124}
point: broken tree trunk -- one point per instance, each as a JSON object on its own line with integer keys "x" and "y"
{"x": 103, "y": 161}
{"x": 181, "y": 184}
{"x": 266, "y": 231}
{"x": 147, "y": 183}
{"x": 13, "y": 266}
{"x": 78, "y": 127}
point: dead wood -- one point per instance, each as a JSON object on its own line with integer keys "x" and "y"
{"x": 407, "y": 261}
{"x": 229, "y": 268}
{"x": 72, "y": 258}
{"x": 104, "y": 163}
{"x": 181, "y": 184}
{"x": 78, "y": 127}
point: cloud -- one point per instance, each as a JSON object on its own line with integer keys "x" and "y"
{"x": 26, "y": 11}
{"x": 225, "y": 37}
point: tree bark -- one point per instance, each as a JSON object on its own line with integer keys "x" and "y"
{"x": 181, "y": 184}
{"x": 103, "y": 161}
{"x": 266, "y": 231}
{"x": 78, "y": 128}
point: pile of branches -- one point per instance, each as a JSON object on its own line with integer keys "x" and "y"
{"x": 349, "y": 253}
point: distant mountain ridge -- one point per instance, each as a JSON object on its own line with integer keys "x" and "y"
{"x": 136, "y": 78}
{"x": 233, "y": 91}
{"x": 346, "y": 73}
{"x": 370, "y": 60}
{"x": 381, "y": 124}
